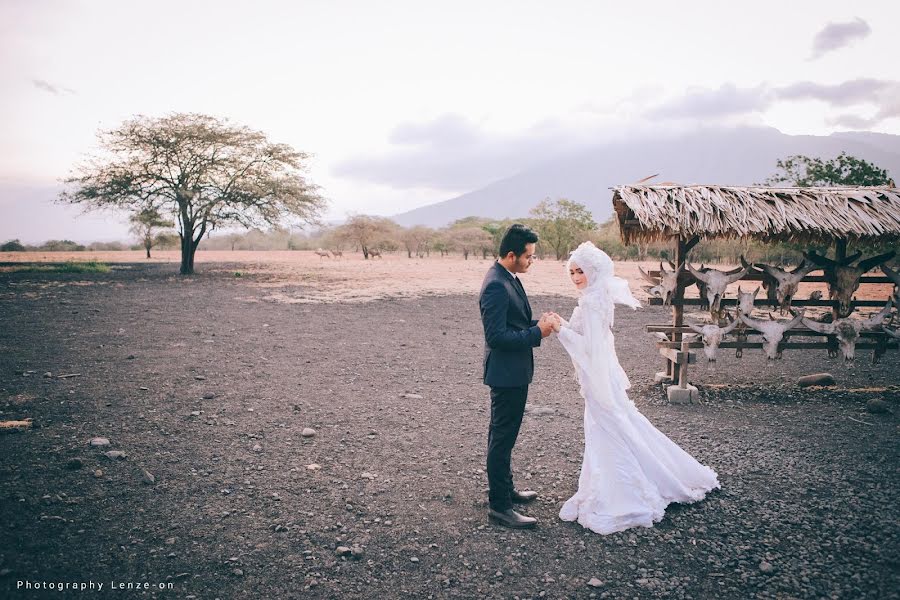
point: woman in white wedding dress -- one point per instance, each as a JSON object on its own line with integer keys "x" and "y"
{"x": 630, "y": 471}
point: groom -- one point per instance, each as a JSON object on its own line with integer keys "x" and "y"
{"x": 509, "y": 336}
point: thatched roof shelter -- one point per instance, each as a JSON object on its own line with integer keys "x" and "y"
{"x": 823, "y": 214}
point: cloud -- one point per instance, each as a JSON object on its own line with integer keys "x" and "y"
{"x": 451, "y": 153}
{"x": 837, "y": 35}
{"x": 728, "y": 100}
{"x": 883, "y": 94}
{"x": 50, "y": 88}
{"x": 856, "y": 91}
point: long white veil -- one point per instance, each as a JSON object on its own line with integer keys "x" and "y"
{"x": 589, "y": 340}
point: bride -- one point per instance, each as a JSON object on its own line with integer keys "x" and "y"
{"x": 630, "y": 471}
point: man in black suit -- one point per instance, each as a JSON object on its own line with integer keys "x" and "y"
{"x": 509, "y": 336}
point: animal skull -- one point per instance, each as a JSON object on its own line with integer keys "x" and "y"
{"x": 846, "y": 330}
{"x": 665, "y": 286}
{"x": 712, "y": 336}
{"x": 772, "y": 332}
{"x": 787, "y": 282}
{"x": 716, "y": 282}
{"x": 843, "y": 279}
{"x": 746, "y": 300}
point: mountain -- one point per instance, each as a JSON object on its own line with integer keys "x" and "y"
{"x": 743, "y": 156}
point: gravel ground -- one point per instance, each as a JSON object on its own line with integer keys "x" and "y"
{"x": 208, "y": 386}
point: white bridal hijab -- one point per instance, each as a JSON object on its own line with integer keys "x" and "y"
{"x": 588, "y": 339}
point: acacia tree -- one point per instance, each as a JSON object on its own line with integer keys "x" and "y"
{"x": 146, "y": 225}
{"x": 561, "y": 224}
{"x": 206, "y": 172}
{"x": 803, "y": 171}
{"x": 367, "y": 232}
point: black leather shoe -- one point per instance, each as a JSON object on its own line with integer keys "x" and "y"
{"x": 512, "y": 519}
{"x": 523, "y": 497}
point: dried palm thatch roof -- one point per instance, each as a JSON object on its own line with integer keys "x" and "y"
{"x": 821, "y": 214}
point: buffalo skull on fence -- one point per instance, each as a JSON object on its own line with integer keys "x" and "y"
{"x": 842, "y": 278}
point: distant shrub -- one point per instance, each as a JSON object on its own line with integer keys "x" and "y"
{"x": 90, "y": 266}
{"x": 12, "y": 246}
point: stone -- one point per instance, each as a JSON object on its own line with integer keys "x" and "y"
{"x": 343, "y": 551}
{"x": 662, "y": 377}
{"x": 816, "y": 379}
{"x": 766, "y": 567}
{"x": 99, "y": 441}
{"x": 683, "y": 395}
{"x": 412, "y": 396}
{"x": 115, "y": 455}
{"x": 147, "y": 477}
{"x": 209, "y": 396}
{"x": 74, "y": 464}
{"x": 357, "y": 552}
{"x": 414, "y": 559}
{"x": 538, "y": 411}
{"x": 595, "y": 583}
{"x": 195, "y": 413}
{"x": 367, "y": 475}
{"x": 878, "y": 406}
{"x": 257, "y": 448}
{"x": 98, "y": 473}
{"x": 199, "y": 377}
{"x": 313, "y": 467}
{"x": 308, "y": 432}
{"x": 48, "y": 374}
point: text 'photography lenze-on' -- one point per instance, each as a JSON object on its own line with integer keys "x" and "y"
{"x": 320, "y": 301}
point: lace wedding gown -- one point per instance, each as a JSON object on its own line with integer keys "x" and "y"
{"x": 630, "y": 471}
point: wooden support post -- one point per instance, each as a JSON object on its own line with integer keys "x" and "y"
{"x": 683, "y": 367}
{"x": 840, "y": 253}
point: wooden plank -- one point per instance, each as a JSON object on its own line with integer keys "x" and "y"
{"x": 807, "y": 279}
{"x": 764, "y": 302}
{"x": 749, "y": 331}
{"x": 671, "y": 346}
{"x": 677, "y": 356}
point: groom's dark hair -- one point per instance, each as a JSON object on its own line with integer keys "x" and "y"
{"x": 515, "y": 239}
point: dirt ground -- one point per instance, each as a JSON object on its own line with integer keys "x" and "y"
{"x": 208, "y": 383}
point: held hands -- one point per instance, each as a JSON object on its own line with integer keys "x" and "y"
{"x": 549, "y": 322}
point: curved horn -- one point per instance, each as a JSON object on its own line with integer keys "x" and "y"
{"x": 751, "y": 322}
{"x": 697, "y": 274}
{"x": 755, "y": 292}
{"x": 797, "y": 318}
{"x": 849, "y": 259}
{"x": 819, "y": 327}
{"x": 696, "y": 328}
{"x": 892, "y": 274}
{"x": 870, "y": 263}
{"x": 818, "y": 259}
{"x": 894, "y": 333}
{"x": 646, "y": 276}
{"x": 878, "y": 318}
{"x": 728, "y": 328}
{"x": 661, "y": 268}
{"x": 735, "y": 276}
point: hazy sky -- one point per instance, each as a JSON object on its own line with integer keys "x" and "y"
{"x": 405, "y": 103}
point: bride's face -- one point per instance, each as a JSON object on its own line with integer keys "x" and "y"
{"x": 578, "y": 276}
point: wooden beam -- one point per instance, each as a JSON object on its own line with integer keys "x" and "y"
{"x": 677, "y": 356}
{"x": 807, "y": 279}
{"x": 764, "y": 302}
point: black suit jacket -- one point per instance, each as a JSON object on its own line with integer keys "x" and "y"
{"x": 509, "y": 331}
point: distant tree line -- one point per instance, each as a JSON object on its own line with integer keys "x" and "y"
{"x": 561, "y": 225}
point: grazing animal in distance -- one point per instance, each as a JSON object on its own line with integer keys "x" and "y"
{"x": 843, "y": 278}
{"x": 337, "y": 253}
{"x": 373, "y": 253}
{"x": 323, "y": 254}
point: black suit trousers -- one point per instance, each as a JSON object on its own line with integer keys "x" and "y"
{"x": 507, "y": 408}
